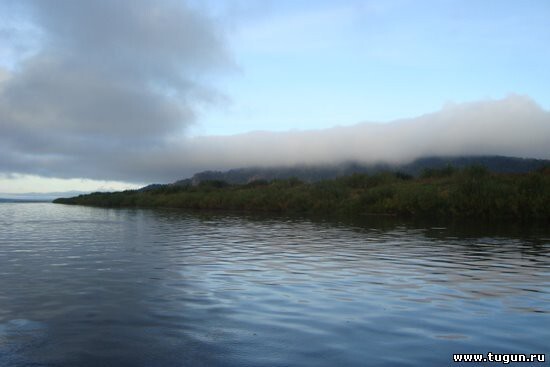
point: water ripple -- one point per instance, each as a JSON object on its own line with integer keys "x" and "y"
{"x": 88, "y": 287}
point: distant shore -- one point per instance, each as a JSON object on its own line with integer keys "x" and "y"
{"x": 472, "y": 192}
{"x": 10, "y": 200}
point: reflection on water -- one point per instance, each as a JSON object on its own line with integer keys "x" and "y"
{"x": 103, "y": 287}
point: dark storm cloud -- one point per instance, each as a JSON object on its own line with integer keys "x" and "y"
{"x": 111, "y": 79}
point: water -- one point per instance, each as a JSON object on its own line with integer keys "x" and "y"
{"x": 105, "y": 287}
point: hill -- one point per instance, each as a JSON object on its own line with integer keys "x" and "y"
{"x": 496, "y": 164}
{"x": 471, "y": 192}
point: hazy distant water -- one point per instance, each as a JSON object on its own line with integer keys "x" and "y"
{"x": 103, "y": 287}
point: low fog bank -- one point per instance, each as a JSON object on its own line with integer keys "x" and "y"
{"x": 513, "y": 126}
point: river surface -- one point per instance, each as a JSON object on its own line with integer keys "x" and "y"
{"x": 84, "y": 286}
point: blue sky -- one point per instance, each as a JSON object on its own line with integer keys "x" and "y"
{"x": 68, "y": 79}
{"x": 307, "y": 65}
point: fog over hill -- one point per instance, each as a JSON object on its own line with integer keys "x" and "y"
{"x": 514, "y": 126}
{"x": 313, "y": 173}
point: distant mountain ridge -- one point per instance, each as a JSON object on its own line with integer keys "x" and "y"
{"x": 497, "y": 164}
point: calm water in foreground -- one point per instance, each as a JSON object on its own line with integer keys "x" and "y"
{"x": 104, "y": 287}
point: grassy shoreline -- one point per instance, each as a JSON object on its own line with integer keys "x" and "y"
{"x": 471, "y": 192}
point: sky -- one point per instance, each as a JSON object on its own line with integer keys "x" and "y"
{"x": 103, "y": 95}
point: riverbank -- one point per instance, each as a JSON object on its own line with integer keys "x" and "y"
{"x": 469, "y": 192}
